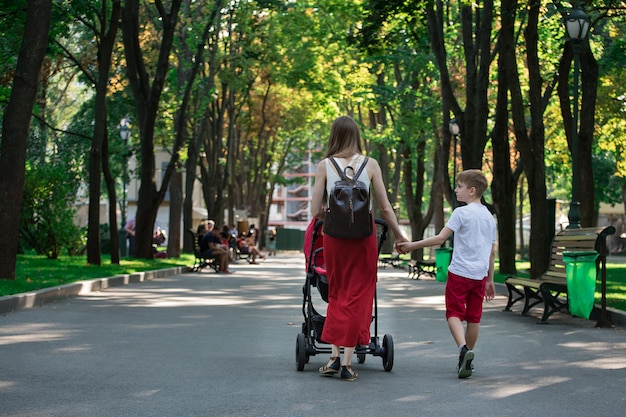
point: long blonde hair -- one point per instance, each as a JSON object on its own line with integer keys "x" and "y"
{"x": 344, "y": 133}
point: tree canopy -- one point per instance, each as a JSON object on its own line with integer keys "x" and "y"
{"x": 236, "y": 92}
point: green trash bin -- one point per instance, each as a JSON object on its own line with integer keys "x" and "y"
{"x": 580, "y": 270}
{"x": 442, "y": 260}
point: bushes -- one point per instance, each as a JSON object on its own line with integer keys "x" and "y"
{"x": 47, "y": 223}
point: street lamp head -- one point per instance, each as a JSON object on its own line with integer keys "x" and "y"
{"x": 454, "y": 127}
{"x": 124, "y": 130}
{"x": 577, "y": 24}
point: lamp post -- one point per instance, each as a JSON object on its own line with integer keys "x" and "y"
{"x": 577, "y": 25}
{"x": 454, "y": 131}
{"x": 124, "y": 135}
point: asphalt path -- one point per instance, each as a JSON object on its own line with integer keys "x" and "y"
{"x": 203, "y": 344}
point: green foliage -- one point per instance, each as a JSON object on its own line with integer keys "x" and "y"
{"x": 606, "y": 184}
{"x": 12, "y": 16}
{"x": 47, "y": 222}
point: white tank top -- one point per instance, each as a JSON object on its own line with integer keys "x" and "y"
{"x": 332, "y": 176}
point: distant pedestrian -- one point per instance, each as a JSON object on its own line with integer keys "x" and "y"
{"x": 470, "y": 274}
{"x": 130, "y": 227}
{"x": 272, "y": 242}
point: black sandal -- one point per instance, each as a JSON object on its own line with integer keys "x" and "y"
{"x": 347, "y": 374}
{"x": 331, "y": 368}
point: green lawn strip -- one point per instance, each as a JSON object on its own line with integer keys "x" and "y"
{"x": 36, "y": 272}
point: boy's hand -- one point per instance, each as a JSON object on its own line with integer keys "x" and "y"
{"x": 490, "y": 290}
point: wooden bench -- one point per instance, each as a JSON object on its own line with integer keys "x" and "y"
{"x": 418, "y": 268}
{"x": 551, "y": 287}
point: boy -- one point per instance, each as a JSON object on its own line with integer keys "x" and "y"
{"x": 470, "y": 274}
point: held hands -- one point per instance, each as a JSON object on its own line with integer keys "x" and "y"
{"x": 404, "y": 246}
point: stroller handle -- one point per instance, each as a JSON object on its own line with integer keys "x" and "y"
{"x": 383, "y": 223}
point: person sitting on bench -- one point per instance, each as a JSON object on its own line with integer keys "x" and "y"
{"x": 245, "y": 244}
{"x": 210, "y": 246}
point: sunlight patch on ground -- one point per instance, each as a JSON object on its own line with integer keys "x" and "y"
{"x": 198, "y": 301}
{"x": 600, "y": 363}
{"x": 6, "y": 384}
{"x": 32, "y": 334}
{"x": 72, "y": 349}
{"x": 413, "y": 398}
{"x": 146, "y": 393}
{"x": 508, "y": 389}
{"x": 436, "y": 300}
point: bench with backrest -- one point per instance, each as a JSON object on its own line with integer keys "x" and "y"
{"x": 551, "y": 287}
{"x": 201, "y": 262}
{"x": 419, "y": 268}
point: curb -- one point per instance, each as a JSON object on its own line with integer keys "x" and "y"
{"x": 22, "y": 301}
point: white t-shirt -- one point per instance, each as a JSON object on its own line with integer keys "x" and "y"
{"x": 474, "y": 235}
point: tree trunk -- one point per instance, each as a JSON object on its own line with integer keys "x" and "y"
{"x": 503, "y": 187}
{"x": 15, "y": 128}
{"x": 176, "y": 210}
{"x": 109, "y": 180}
{"x": 190, "y": 179}
{"x": 531, "y": 146}
{"x": 96, "y": 154}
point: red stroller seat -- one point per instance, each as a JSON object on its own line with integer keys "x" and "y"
{"x": 314, "y": 258}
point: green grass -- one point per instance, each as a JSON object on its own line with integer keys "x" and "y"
{"x": 36, "y": 272}
{"x": 615, "y": 283}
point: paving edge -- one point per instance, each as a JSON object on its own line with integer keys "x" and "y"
{"x": 22, "y": 301}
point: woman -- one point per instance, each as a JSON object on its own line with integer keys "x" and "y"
{"x": 351, "y": 264}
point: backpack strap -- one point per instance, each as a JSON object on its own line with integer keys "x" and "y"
{"x": 342, "y": 175}
{"x": 358, "y": 173}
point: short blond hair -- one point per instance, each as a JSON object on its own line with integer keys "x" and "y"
{"x": 473, "y": 178}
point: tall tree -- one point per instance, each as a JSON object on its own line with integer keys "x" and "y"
{"x": 104, "y": 26}
{"x": 189, "y": 67}
{"x": 15, "y": 129}
{"x": 147, "y": 91}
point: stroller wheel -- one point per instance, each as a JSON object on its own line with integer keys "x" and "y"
{"x": 388, "y": 352}
{"x": 301, "y": 356}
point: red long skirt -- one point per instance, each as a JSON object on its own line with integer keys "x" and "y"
{"x": 351, "y": 268}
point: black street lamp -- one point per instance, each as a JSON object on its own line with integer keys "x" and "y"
{"x": 577, "y": 25}
{"x": 124, "y": 135}
{"x": 454, "y": 131}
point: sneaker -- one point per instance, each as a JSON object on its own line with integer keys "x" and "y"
{"x": 465, "y": 367}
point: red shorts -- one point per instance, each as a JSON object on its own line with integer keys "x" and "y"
{"x": 464, "y": 298}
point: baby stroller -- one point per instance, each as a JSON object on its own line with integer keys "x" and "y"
{"x": 308, "y": 343}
